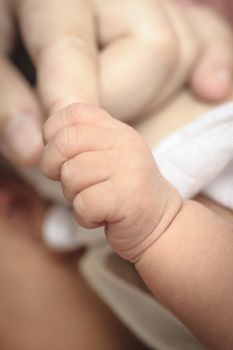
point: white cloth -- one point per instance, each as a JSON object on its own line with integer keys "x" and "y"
{"x": 199, "y": 157}
{"x": 62, "y": 233}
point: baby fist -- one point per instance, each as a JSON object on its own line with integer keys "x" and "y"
{"x": 109, "y": 175}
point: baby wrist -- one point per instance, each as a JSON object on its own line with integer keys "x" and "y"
{"x": 174, "y": 205}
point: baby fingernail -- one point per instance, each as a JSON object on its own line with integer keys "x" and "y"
{"x": 21, "y": 138}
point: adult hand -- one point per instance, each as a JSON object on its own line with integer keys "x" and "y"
{"x": 151, "y": 48}
{"x": 129, "y": 56}
{"x": 60, "y": 39}
{"x": 224, "y": 7}
{"x": 212, "y": 77}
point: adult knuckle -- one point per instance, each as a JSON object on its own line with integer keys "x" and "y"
{"x": 191, "y": 51}
{"x": 163, "y": 42}
{"x": 76, "y": 42}
{"x": 61, "y": 43}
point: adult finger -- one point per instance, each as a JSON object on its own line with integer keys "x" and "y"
{"x": 139, "y": 53}
{"x": 60, "y": 38}
{"x": 213, "y": 75}
{"x": 189, "y": 49}
{"x": 20, "y": 115}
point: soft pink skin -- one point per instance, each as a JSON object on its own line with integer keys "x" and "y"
{"x": 223, "y": 6}
{"x": 104, "y": 166}
{"x": 149, "y": 50}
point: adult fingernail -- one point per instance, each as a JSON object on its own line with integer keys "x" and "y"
{"x": 224, "y": 77}
{"x": 21, "y": 138}
{"x": 222, "y": 81}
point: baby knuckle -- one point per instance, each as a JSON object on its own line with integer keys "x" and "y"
{"x": 46, "y": 129}
{"x": 44, "y": 165}
{"x": 138, "y": 145}
{"x": 83, "y": 208}
{"x": 62, "y": 44}
{"x": 60, "y": 143}
{"x": 65, "y": 141}
{"x": 66, "y": 175}
{"x": 79, "y": 207}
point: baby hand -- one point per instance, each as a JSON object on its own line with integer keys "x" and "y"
{"x": 109, "y": 175}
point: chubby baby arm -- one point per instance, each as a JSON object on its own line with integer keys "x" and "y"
{"x": 189, "y": 270}
{"x": 183, "y": 251}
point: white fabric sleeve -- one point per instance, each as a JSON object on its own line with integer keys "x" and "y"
{"x": 199, "y": 157}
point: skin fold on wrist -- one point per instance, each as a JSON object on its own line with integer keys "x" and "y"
{"x": 172, "y": 208}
